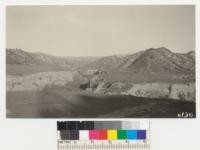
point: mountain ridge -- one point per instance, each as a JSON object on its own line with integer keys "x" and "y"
{"x": 162, "y": 59}
{"x": 21, "y": 57}
{"x": 151, "y": 61}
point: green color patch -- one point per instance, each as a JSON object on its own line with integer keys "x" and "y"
{"x": 121, "y": 134}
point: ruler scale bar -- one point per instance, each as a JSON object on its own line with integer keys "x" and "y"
{"x": 105, "y": 147}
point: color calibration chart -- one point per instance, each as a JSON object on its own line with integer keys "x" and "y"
{"x": 103, "y": 135}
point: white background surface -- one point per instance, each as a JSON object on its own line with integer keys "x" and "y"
{"x": 40, "y": 134}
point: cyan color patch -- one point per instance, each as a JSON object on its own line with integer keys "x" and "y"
{"x": 132, "y": 134}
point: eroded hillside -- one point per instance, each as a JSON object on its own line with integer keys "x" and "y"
{"x": 153, "y": 73}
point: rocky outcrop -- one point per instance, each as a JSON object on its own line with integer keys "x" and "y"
{"x": 95, "y": 80}
{"x": 37, "y": 81}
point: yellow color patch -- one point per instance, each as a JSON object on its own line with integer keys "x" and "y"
{"x": 112, "y": 134}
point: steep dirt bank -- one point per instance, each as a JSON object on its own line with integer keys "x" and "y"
{"x": 164, "y": 90}
{"x": 94, "y": 81}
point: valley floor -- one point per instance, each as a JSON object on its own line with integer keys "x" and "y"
{"x": 62, "y": 104}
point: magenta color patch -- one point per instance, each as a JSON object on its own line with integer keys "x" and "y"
{"x": 94, "y": 134}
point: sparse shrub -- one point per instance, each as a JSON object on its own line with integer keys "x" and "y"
{"x": 170, "y": 88}
{"x": 13, "y": 84}
{"x": 182, "y": 96}
{"x": 107, "y": 85}
{"x": 138, "y": 93}
{"x": 189, "y": 94}
{"x": 35, "y": 85}
{"x": 84, "y": 86}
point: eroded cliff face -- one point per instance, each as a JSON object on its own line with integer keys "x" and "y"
{"x": 178, "y": 91}
{"x": 164, "y": 90}
{"x": 37, "y": 81}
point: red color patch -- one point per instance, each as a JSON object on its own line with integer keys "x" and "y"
{"x": 103, "y": 134}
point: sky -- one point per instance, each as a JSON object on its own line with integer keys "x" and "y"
{"x": 76, "y": 30}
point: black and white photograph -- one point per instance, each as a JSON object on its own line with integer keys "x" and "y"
{"x": 100, "y": 61}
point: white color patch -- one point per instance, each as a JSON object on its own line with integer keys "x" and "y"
{"x": 84, "y": 135}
